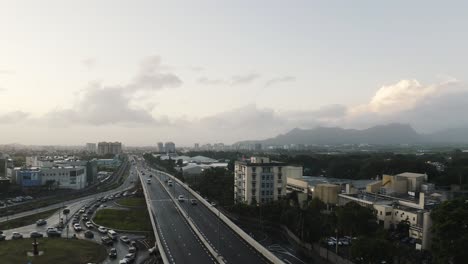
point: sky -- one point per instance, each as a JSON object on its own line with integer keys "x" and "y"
{"x": 204, "y": 71}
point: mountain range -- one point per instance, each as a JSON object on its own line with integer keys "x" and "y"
{"x": 390, "y": 134}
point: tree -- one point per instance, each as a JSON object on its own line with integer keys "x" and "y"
{"x": 354, "y": 220}
{"x": 450, "y": 231}
{"x": 367, "y": 250}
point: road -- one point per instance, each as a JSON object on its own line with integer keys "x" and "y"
{"x": 225, "y": 241}
{"x": 180, "y": 243}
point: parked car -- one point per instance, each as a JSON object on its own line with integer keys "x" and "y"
{"x": 102, "y": 229}
{"x": 125, "y": 239}
{"x": 77, "y": 227}
{"x": 53, "y": 232}
{"x": 89, "y": 234}
{"x": 130, "y": 257}
{"x": 113, "y": 253}
{"x": 41, "y": 222}
{"x": 193, "y": 201}
{"x": 124, "y": 261}
{"x": 133, "y": 244}
{"x": 66, "y": 211}
{"x": 89, "y": 224}
{"x": 2, "y": 237}
{"x": 132, "y": 250}
{"x": 107, "y": 240}
{"x": 16, "y": 236}
{"x": 35, "y": 234}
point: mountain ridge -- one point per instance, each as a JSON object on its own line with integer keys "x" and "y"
{"x": 389, "y": 134}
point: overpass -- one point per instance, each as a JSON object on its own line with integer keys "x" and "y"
{"x": 187, "y": 233}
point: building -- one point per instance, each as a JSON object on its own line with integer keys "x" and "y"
{"x": 327, "y": 193}
{"x": 160, "y": 147}
{"x": 259, "y": 180}
{"x": 398, "y": 198}
{"x": 169, "y": 147}
{"x": 196, "y": 146}
{"x": 109, "y": 148}
{"x": 91, "y": 147}
{"x": 70, "y": 177}
{"x": 3, "y": 165}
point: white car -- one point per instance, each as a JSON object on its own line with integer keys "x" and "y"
{"x": 102, "y": 229}
{"x": 89, "y": 224}
{"x": 77, "y": 227}
{"x": 180, "y": 198}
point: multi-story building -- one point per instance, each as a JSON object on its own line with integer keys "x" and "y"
{"x": 160, "y": 147}
{"x": 109, "y": 148}
{"x": 259, "y": 180}
{"x": 169, "y": 147}
{"x": 3, "y": 165}
{"x": 91, "y": 147}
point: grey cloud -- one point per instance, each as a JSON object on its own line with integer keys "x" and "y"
{"x": 279, "y": 80}
{"x": 151, "y": 76}
{"x": 13, "y": 117}
{"x": 244, "y": 79}
{"x": 206, "y": 81}
{"x": 89, "y": 63}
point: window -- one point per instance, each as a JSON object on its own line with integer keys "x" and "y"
{"x": 279, "y": 169}
{"x": 263, "y": 177}
{"x": 388, "y": 213}
{"x": 380, "y": 212}
{"x": 254, "y": 169}
{"x": 414, "y": 218}
{"x": 263, "y": 192}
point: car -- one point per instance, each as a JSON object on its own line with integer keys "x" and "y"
{"x": 180, "y": 198}
{"x": 148, "y": 181}
{"x": 102, "y": 229}
{"x": 113, "y": 253}
{"x": 2, "y": 237}
{"x": 124, "y": 261}
{"x": 75, "y": 221}
{"x": 82, "y": 211}
{"x": 85, "y": 218}
{"x": 53, "y": 232}
{"x": 106, "y": 240}
{"x": 89, "y": 234}
{"x": 112, "y": 234}
{"x": 132, "y": 250}
{"x": 133, "y": 244}
{"x": 66, "y": 211}
{"x": 77, "y": 227}
{"x": 125, "y": 239}
{"x": 41, "y": 222}
{"x": 213, "y": 204}
{"x": 16, "y": 236}
{"x": 89, "y": 224}
{"x": 130, "y": 257}
{"x": 193, "y": 201}
{"x": 35, "y": 234}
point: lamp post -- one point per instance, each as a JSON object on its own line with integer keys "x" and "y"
{"x": 336, "y": 244}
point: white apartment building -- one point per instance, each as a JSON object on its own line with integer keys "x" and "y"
{"x": 260, "y": 180}
{"x": 91, "y": 147}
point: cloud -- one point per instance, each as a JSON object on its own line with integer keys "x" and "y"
{"x": 279, "y": 80}
{"x": 401, "y": 96}
{"x": 6, "y": 72}
{"x": 89, "y": 63}
{"x": 244, "y": 79}
{"x": 196, "y": 68}
{"x": 13, "y": 117}
{"x": 152, "y": 76}
{"x": 206, "y": 81}
{"x": 103, "y": 105}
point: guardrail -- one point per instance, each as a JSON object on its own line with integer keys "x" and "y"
{"x": 252, "y": 242}
{"x": 153, "y": 221}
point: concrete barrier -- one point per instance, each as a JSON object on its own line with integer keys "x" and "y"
{"x": 252, "y": 242}
{"x": 153, "y": 221}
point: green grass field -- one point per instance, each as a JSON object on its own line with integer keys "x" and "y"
{"x": 27, "y": 220}
{"x": 132, "y": 202}
{"x": 133, "y": 219}
{"x": 55, "y": 251}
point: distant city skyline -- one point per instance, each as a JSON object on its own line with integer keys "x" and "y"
{"x": 145, "y": 71}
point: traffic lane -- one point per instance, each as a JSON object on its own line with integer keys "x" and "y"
{"x": 232, "y": 247}
{"x": 52, "y": 221}
{"x": 180, "y": 242}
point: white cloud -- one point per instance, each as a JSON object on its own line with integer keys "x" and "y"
{"x": 279, "y": 80}
{"x": 244, "y": 79}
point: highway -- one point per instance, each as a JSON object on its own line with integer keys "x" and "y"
{"x": 179, "y": 241}
{"x": 231, "y": 247}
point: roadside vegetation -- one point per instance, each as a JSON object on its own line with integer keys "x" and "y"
{"x": 27, "y": 220}
{"x": 132, "y": 201}
{"x": 121, "y": 219}
{"x": 69, "y": 251}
